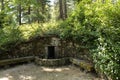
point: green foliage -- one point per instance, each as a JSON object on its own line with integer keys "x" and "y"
{"x": 81, "y": 26}
{"x": 4, "y": 19}
{"x": 92, "y": 25}
{"x": 97, "y": 26}
{"x": 107, "y": 54}
{"x": 31, "y": 10}
{"x": 13, "y": 34}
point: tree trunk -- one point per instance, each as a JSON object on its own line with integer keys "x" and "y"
{"x": 61, "y": 9}
{"x": 19, "y": 14}
{"x": 29, "y": 12}
{"x": 43, "y": 6}
{"x": 65, "y": 9}
{"x": 2, "y": 5}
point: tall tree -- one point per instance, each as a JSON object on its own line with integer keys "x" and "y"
{"x": 61, "y": 9}
{"x": 2, "y": 5}
{"x": 42, "y": 4}
{"x": 26, "y": 11}
{"x": 19, "y": 14}
{"x": 29, "y": 12}
{"x": 65, "y": 9}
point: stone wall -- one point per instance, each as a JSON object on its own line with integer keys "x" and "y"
{"x": 52, "y": 62}
{"x": 71, "y": 49}
{"x": 38, "y": 47}
{"x": 34, "y": 47}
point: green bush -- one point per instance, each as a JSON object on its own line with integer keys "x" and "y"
{"x": 4, "y": 19}
{"x": 97, "y": 26}
{"x": 107, "y": 54}
{"x": 16, "y": 34}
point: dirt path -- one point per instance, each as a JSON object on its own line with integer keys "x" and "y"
{"x": 33, "y": 72}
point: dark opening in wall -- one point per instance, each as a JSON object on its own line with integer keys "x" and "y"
{"x": 51, "y": 52}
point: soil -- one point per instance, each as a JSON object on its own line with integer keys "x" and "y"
{"x": 34, "y": 72}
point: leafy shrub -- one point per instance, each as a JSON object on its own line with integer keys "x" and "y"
{"x": 16, "y": 34}
{"x": 97, "y": 27}
{"x": 107, "y": 54}
{"x": 4, "y": 19}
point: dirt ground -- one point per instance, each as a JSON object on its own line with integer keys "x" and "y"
{"x": 33, "y": 72}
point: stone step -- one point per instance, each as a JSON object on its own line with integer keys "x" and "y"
{"x": 88, "y": 67}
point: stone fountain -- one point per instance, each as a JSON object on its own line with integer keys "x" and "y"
{"x": 52, "y": 54}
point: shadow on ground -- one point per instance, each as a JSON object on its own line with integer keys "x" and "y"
{"x": 33, "y": 72}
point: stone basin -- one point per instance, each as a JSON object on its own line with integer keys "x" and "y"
{"x": 52, "y": 62}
